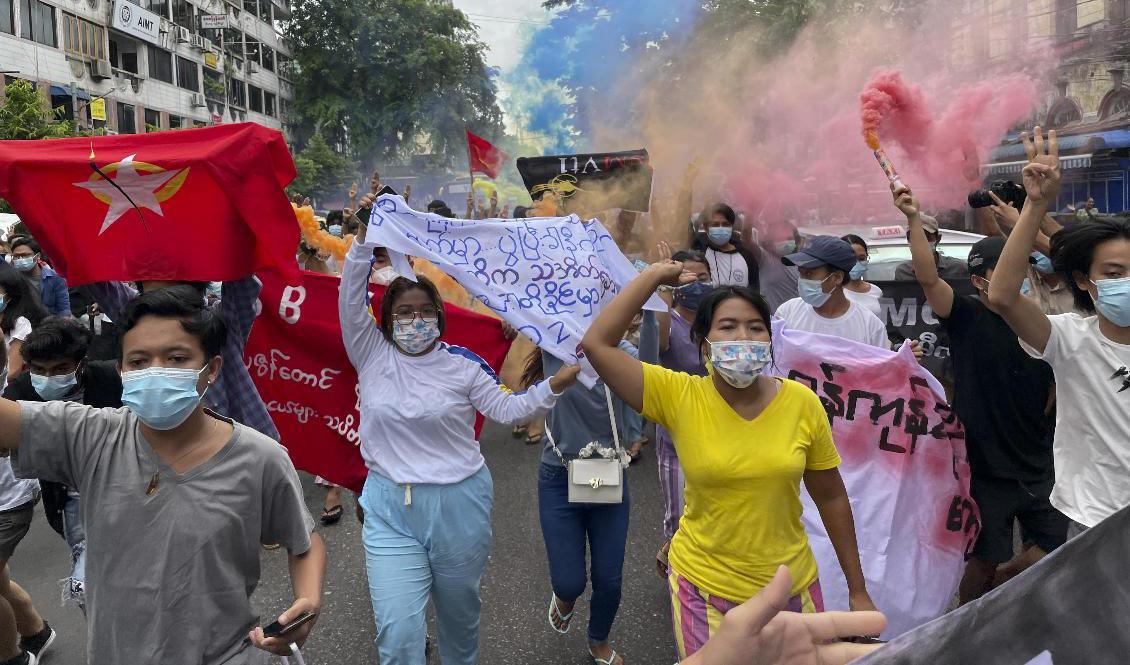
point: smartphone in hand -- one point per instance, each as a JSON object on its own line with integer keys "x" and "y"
{"x": 277, "y": 629}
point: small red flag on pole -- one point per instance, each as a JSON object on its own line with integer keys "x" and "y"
{"x": 483, "y": 156}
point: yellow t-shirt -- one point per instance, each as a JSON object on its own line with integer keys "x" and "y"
{"x": 742, "y": 514}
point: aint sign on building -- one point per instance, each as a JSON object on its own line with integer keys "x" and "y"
{"x": 135, "y": 21}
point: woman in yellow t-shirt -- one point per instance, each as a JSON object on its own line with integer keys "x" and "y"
{"x": 745, "y": 441}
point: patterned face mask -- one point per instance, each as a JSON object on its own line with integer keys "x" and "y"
{"x": 739, "y": 363}
{"x": 416, "y": 336}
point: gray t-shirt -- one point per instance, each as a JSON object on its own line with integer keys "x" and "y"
{"x": 169, "y": 576}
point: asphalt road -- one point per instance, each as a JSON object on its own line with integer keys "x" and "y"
{"x": 515, "y": 589}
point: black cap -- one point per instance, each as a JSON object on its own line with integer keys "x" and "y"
{"x": 823, "y": 250}
{"x": 985, "y": 254}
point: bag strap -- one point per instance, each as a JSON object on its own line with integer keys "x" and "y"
{"x": 611, "y": 420}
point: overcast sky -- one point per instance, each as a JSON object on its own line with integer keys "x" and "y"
{"x": 501, "y": 25}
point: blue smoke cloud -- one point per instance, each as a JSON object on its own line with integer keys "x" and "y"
{"x": 587, "y": 64}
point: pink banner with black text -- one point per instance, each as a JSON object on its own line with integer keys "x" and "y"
{"x": 905, "y": 469}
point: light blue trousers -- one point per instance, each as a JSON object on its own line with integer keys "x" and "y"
{"x": 436, "y": 546}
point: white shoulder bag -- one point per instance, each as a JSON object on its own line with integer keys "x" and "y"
{"x": 597, "y": 476}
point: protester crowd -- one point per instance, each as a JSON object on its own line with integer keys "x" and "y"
{"x": 162, "y": 472}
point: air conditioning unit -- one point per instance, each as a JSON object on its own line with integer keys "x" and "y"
{"x": 166, "y": 25}
{"x": 208, "y": 45}
{"x": 252, "y": 67}
{"x": 101, "y": 69}
{"x": 196, "y": 42}
{"x": 183, "y": 35}
{"x": 197, "y": 100}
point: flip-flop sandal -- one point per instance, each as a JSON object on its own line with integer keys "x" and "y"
{"x": 271, "y": 547}
{"x": 332, "y": 515}
{"x": 556, "y": 617}
{"x": 518, "y": 431}
{"x": 533, "y": 439}
{"x": 611, "y": 659}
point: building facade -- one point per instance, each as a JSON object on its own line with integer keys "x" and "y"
{"x": 144, "y": 65}
{"x": 1086, "y": 45}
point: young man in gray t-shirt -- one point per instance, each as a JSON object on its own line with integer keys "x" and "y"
{"x": 176, "y": 500}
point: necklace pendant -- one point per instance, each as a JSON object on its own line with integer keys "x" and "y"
{"x": 153, "y": 483}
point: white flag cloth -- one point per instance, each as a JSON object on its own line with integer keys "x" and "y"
{"x": 548, "y": 277}
{"x": 904, "y": 466}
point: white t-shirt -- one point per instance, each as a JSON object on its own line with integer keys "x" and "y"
{"x": 13, "y": 491}
{"x": 727, "y": 268}
{"x": 856, "y": 324}
{"x": 869, "y": 300}
{"x": 1092, "y": 429}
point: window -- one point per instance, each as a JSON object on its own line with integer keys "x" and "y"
{"x": 269, "y": 104}
{"x": 175, "y": 121}
{"x": 37, "y": 22}
{"x": 83, "y": 38}
{"x": 152, "y": 120}
{"x": 183, "y": 13}
{"x": 1064, "y": 112}
{"x": 252, "y": 49}
{"x": 213, "y": 85}
{"x": 233, "y": 41}
{"x": 160, "y": 64}
{"x": 284, "y": 108}
{"x": 123, "y": 53}
{"x": 159, "y": 7}
{"x": 250, "y": 6}
{"x": 255, "y": 99}
{"x": 268, "y": 57}
{"x": 237, "y": 94}
{"x": 6, "y": 23}
{"x": 127, "y": 119}
{"x": 188, "y": 74}
{"x": 285, "y": 66}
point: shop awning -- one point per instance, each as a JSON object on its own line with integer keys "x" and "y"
{"x": 1089, "y": 142}
{"x": 60, "y": 91}
{"x": 1014, "y": 168}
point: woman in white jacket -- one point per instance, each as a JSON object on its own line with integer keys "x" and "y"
{"x": 428, "y": 497}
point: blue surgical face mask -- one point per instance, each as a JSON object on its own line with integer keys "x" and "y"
{"x": 335, "y": 230}
{"x": 858, "y": 269}
{"x": 416, "y": 337}
{"x": 3, "y": 303}
{"x": 720, "y": 235}
{"x": 1026, "y": 287}
{"x": 787, "y": 247}
{"x": 1114, "y": 300}
{"x": 162, "y": 397}
{"x": 24, "y": 264}
{"x": 1043, "y": 264}
{"x": 690, "y": 295}
{"x": 812, "y": 291}
{"x": 53, "y": 387}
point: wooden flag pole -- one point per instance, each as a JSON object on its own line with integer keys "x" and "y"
{"x": 470, "y": 168}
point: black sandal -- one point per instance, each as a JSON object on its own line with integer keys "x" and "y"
{"x": 332, "y": 515}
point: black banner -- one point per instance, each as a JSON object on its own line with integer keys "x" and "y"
{"x": 1071, "y": 607}
{"x": 589, "y": 183}
{"x": 908, "y": 316}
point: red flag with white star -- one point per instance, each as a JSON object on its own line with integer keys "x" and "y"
{"x": 195, "y": 204}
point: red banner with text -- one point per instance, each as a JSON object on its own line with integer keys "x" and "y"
{"x": 298, "y": 362}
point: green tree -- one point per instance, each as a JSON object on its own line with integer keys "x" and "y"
{"x": 24, "y": 116}
{"x": 390, "y": 77}
{"x": 321, "y": 171}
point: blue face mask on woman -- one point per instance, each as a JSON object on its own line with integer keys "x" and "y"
{"x": 720, "y": 235}
{"x": 1043, "y": 264}
{"x": 162, "y": 397}
{"x": 691, "y": 295}
{"x": 1114, "y": 300}
{"x": 858, "y": 269}
{"x": 24, "y": 263}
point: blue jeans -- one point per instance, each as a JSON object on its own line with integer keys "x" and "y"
{"x": 437, "y": 546}
{"x": 74, "y": 530}
{"x": 567, "y": 528}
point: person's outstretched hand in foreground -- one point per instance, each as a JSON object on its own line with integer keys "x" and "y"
{"x": 761, "y": 633}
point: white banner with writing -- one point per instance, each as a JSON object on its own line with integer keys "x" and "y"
{"x": 548, "y": 277}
